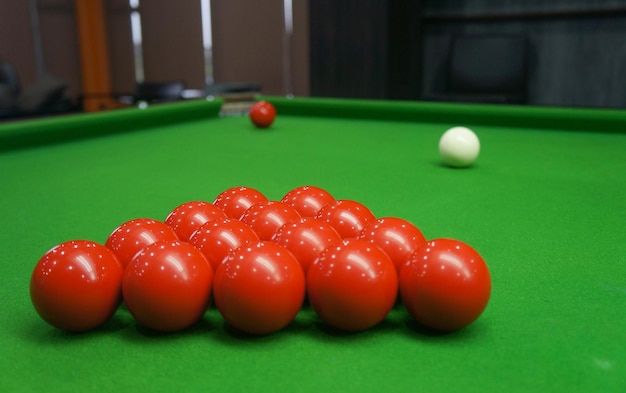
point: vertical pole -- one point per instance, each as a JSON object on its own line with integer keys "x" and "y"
{"x": 34, "y": 20}
{"x": 287, "y": 38}
{"x": 94, "y": 57}
{"x": 207, "y": 40}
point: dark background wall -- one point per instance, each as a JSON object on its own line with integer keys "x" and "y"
{"x": 247, "y": 35}
{"x": 366, "y": 48}
{"x": 172, "y": 46}
{"x": 578, "y": 47}
{"x": 59, "y": 42}
{"x": 385, "y": 49}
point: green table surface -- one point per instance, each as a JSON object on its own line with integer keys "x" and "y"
{"x": 545, "y": 204}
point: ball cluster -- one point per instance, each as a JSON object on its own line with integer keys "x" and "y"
{"x": 260, "y": 261}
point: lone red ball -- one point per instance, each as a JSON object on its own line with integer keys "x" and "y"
{"x": 262, "y": 114}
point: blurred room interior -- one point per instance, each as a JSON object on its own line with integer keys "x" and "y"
{"x": 59, "y": 56}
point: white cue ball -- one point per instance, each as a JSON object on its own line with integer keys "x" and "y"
{"x": 459, "y": 147}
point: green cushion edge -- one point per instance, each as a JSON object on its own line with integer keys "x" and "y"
{"x": 561, "y": 118}
{"x": 21, "y": 134}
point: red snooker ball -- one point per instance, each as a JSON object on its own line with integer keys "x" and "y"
{"x": 259, "y": 288}
{"x": 216, "y": 239}
{"x": 307, "y": 200}
{"x": 445, "y": 285}
{"x": 395, "y": 236}
{"x": 189, "y": 216}
{"x": 353, "y": 285}
{"x": 167, "y": 286}
{"x": 132, "y": 236}
{"x": 266, "y": 217}
{"x": 236, "y": 200}
{"x": 76, "y": 286}
{"x": 262, "y": 114}
{"x": 306, "y": 238}
{"x": 346, "y": 216}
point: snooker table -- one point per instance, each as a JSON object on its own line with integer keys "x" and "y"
{"x": 545, "y": 205}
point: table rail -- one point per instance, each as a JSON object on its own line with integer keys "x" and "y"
{"x": 22, "y": 134}
{"x": 557, "y": 118}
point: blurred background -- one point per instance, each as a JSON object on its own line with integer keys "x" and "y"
{"x": 550, "y": 52}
